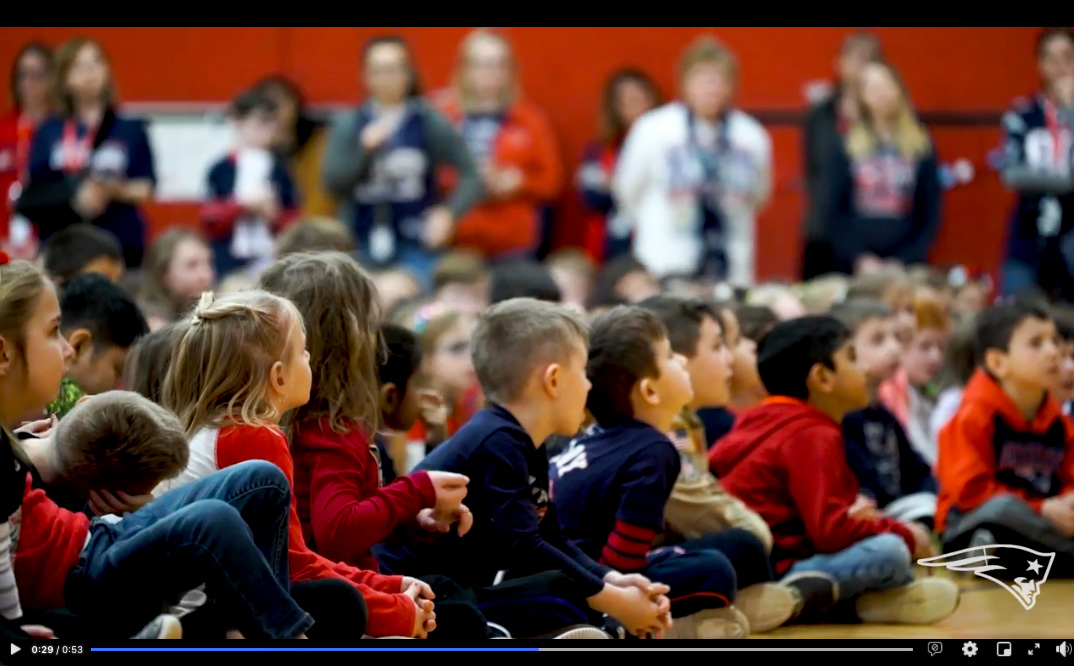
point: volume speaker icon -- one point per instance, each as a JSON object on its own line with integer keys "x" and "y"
{"x": 1064, "y": 649}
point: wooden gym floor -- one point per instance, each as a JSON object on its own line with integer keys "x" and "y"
{"x": 985, "y": 610}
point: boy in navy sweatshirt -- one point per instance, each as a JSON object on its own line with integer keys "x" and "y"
{"x": 530, "y": 359}
{"x": 891, "y": 474}
{"x": 612, "y": 485}
{"x": 251, "y": 195}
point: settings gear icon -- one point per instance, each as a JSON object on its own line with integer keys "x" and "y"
{"x": 969, "y": 648}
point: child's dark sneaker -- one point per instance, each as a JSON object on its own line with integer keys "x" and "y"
{"x": 815, "y": 593}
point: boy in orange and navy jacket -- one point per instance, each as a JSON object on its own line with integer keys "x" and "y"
{"x": 1006, "y": 460}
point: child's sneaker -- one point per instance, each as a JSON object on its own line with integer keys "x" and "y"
{"x": 164, "y": 627}
{"x": 767, "y": 605}
{"x": 815, "y": 593}
{"x": 714, "y": 623}
{"x": 923, "y": 601}
{"x": 583, "y": 632}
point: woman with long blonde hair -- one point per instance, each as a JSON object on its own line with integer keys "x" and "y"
{"x": 512, "y": 144}
{"x": 882, "y": 193}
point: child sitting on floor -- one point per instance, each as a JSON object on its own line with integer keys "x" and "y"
{"x": 1006, "y": 466}
{"x": 785, "y": 459}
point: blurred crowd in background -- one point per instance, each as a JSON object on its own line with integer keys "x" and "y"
{"x": 414, "y": 183}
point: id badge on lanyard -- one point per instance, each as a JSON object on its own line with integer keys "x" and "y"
{"x": 76, "y": 152}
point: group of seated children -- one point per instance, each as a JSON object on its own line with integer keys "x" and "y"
{"x": 716, "y": 471}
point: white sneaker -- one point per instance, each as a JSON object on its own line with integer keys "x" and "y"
{"x": 164, "y": 627}
{"x": 923, "y": 601}
{"x": 583, "y": 632}
{"x": 714, "y": 623}
{"x": 766, "y": 605}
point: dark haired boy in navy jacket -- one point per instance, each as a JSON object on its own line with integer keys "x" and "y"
{"x": 613, "y": 483}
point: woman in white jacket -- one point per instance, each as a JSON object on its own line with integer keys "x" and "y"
{"x": 693, "y": 174}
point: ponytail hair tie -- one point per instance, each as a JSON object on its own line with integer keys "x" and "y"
{"x": 5, "y": 258}
{"x": 205, "y": 302}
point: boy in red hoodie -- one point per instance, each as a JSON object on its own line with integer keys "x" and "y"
{"x": 785, "y": 459}
{"x": 1006, "y": 460}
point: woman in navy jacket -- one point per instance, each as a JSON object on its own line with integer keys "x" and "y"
{"x": 90, "y": 164}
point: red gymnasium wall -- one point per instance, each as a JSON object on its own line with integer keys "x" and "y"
{"x": 957, "y": 70}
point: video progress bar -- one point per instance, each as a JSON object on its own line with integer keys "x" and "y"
{"x": 737, "y": 649}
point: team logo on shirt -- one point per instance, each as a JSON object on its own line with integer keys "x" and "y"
{"x": 1026, "y": 567}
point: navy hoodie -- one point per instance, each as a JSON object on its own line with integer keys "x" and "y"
{"x": 884, "y": 204}
{"x": 515, "y": 526}
{"x": 881, "y": 457}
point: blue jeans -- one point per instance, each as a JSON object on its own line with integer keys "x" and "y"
{"x": 227, "y": 531}
{"x": 877, "y": 563}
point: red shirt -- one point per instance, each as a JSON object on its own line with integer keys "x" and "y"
{"x": 343, "y": 509}
{"x": 989, "y": 448}
{"x": 50, "y": 541}
{"x": 16, "y": 137}
{"x": 390, "y": 612}
{"x": 785, "y": 459}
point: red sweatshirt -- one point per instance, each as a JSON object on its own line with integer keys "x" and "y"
{"x": 343, "y": 509}
{"x": 989, "y": 448}
{"x": 390, "y": 612}
{"x": 50, "y": 542}
{"x": 785, "y": 459}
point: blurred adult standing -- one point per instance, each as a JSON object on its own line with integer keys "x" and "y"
{"x": 384, "y": 157}
{"x": 826, "y": 126}
{"x": 881, "y": 190}
{"x": 91, "y": 163}
{"x": 30, "y": 77}
{"x": 693, "y": 174}
{"x": 300, "y": 142}
{"x": 628, "y": 94}
{"x": 1037, "y": 132}
{"x": 512, "y": 144}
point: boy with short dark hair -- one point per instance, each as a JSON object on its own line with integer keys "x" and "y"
{"x": 101, "y": 322}
{"x": 525, "y": 279}
{"x": 83, "y": 248}
{"x": 891, "y": 474}
{"x": 400, "y": 403}
{"x": 785, "y": 459}
{"x": 530, "y": 358}
{"x": 611, "y": 485}
{"x": 1006, "y": 464}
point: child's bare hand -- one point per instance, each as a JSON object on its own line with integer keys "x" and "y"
{"x": 103, "y": 502}
{"x": 923, "y": 546}
{"x": 40, "y": 429}
{"x": 642, "y": 615}
{"x": 1060, "y": 512}
{"x": 424, "y": 614}
{"x": 424, "y": 591}
{"x": 465, "y": 520}
{"x": 864, "y": 508}
{"x": 450, "y": 491}
{"x": 38, "y": 631}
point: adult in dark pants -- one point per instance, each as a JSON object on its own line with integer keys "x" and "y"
{"x": 90, "y": 164}
{"x": 826, "y": 125}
